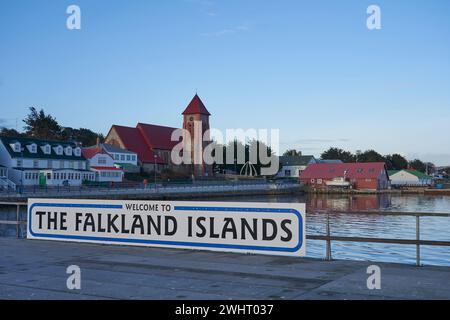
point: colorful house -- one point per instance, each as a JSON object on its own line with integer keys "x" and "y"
{"x": 102, "y": 164}
{"x": 123, "y": 159}
{"x": 359, "y": 176}
{"x": 409, "y": 178}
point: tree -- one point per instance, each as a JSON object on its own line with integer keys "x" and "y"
{"x": 85, "y": 137}
{"x": 5, "y": 132}
{"x": 338, "y": 154}
{"x": 292, "y": 153}
{"x": 41, "y": 125}
{"x": 396, "y": 162}
{"x": 418, "y": 165}
{"x": 369, "y": 156}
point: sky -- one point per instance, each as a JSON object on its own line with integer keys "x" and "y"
{"x": 311, "y": 69}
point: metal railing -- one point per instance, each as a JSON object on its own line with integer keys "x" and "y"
{"x": 418, "y": 242}
{"x": 18, "y": 221}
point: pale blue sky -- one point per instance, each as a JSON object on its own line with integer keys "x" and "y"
{"x": 310, "y": 68}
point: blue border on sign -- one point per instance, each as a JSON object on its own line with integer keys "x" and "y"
{"x": 172, "y": 243}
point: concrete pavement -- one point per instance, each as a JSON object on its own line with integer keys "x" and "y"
{"x": 37, "y": 270}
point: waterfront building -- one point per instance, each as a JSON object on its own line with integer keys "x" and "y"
{"x": 153, "y": 143}
{"x": 409, "y": 178}
{"x": 293, "y": 166}
{"x": 102, "y": 164}
{"x": 123, "y": 159}
{"x": 360, "y": 176}
{"x": 32, "y": 161}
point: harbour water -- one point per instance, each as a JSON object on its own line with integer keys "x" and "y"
{"x": 373, "y": 225}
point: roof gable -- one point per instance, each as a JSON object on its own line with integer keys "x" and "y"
{"x": 39, "y": 154}
{"x": 196, "y": 106}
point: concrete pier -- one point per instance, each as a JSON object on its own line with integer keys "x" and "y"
{"x": 37, "y": 270}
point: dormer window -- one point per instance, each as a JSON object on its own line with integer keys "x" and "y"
{"x": 58, "y": 150}
{"x": 46, "y": 149}
{"x": 32, "y": 148}
{"x": 77, "y": 152}
{"x": 16, "y": 146}
{"x": 68, "y": 151}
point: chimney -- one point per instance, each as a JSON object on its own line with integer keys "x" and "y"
{"x": 98, "y": 141}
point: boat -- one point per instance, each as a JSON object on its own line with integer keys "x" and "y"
{"x": 338, "y": 182}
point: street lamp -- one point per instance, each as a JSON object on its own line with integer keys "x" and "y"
{"x": 154, "y": 168}
{"x": 21, "y": 171}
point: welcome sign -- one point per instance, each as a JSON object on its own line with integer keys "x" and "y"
{"x": 260, "y": 228}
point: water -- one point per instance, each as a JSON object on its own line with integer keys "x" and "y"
{"x": 373, "y": 225}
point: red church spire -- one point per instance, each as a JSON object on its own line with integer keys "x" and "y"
{"x": 196, "y": 106}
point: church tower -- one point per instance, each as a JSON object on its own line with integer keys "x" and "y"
{"x": 196, "y": 122}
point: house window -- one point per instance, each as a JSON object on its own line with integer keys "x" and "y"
{"x": 133, "y": 157}
{"x": 313, "y": 180}
{"x": 319, "y": 181}
{"x": 116, "y": 157}
{"x": 128, "y": 157}
{"x": 19, "y": 163}
{"x": 360, "y": 170}
{"x": 287, "y": 173}
{"x": 49, "y": 176}
{"x": 101, "y": 160}
{"x": 122, "y": 157}
{"x": 35, "y": 164}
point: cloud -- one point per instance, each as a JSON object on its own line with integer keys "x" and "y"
{"x": 229, "y": 31}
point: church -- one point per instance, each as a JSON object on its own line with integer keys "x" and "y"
{"x": 153, "y": 144}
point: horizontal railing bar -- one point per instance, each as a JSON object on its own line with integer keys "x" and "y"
{"x": 12, "y": 222}
{"x": 390, "y": 213}
{"x": 380, "y": 240}
{"x": 14, "y": 203}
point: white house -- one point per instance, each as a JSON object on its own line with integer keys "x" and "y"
{"x": 32, "y": 161}
{"x": 409, "y": 178}
{"x": 293, "y": 166}
{"x": 123, "y": 159}
{"x": 102, "y": 164}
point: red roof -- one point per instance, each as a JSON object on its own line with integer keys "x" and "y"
{"x": 196, "y": 106}
{"x": 89, "y": 153}
{"x": 106, "y": 168}
{"x": 134, "y": 141}
{"x": 157, "y": 137}
{"x": 369, "y": 170}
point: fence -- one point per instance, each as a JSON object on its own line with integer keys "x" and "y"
{"x": 418, "y": 242}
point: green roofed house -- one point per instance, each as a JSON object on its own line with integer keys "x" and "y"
{"x": 32, "y": 161}
{"x": 408, "y": 177}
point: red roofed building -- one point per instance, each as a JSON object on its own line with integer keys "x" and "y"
{"x": 153, "y": 143}
{"x": 360, "y": 176}
{"x": 102, "y": 163}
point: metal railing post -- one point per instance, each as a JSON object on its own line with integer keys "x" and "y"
{"x": 17, "y": 220}
{"x": 328, "y": 245}
{"x": 418, "y": 240}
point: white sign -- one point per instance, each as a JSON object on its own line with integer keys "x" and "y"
{"x": 261, "y": 228}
